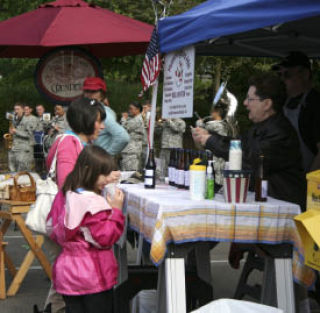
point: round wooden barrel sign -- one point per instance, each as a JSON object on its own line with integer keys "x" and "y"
{"x": 61, "y": 72}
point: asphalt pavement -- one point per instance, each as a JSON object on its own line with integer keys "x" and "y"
{"x": 35, "y": 286}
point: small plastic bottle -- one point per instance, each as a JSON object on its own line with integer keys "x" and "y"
{"x": 210, "y": 181}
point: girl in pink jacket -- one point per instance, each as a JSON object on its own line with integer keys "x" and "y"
{"x": 86, "y": 225}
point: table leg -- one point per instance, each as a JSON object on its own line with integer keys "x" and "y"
{"x": 5, "y": 226}
{"x": 202, "y": 252}
{"x": 284, "y": 283}
{"x": 175, "y": 285}
{"x": 25, "y": 265}
{"x": 12, "y": 269}
{"x": 120, "y": 253}
{"x": 161, "y": 285}
{"x": 268, "y": 294}
{"x": 2, "y": 270}
{"x": 139, "y": 252}
{"x": 32, "y": 244}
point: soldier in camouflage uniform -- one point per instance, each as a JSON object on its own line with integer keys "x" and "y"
{"x": 43, "y": 124}
{"x": 217, "y": 125}
{"x": 57, "y": 126}
{"x": 31, "y": 118}
{"x": 146, "y": 112}
{"x": 131, "y": 155}
{"x": 21, "y": 154}
{"x": 172, "y": 137}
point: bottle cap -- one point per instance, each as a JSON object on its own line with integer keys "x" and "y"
{"x": 235, "y": 144}
{"x": 196, "y": 167}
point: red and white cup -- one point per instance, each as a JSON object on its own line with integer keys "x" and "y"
{"x": 235, "y": 185}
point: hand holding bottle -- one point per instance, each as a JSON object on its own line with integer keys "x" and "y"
{"x": 117, "y": 200}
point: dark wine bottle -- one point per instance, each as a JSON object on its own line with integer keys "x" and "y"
{"x": 187, "y": 163}
{"x": 261, "y": 184}
{"x": 180, "y": 176}
{"x": 176, "y": 176}
{"x": 150, "y": 171}
{"x": 171, "y": 166}
{"x": 174, "y": 167}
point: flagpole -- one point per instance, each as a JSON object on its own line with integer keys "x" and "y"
{"x": 153, "y": 113}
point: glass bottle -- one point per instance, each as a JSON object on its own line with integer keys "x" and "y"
{"x": 150, "y": 171}
{"x": 171, "y": 166}
{"x": 180, "y": 170}
{"x": 187, "y": 163}
{"x": 261, "y": 183}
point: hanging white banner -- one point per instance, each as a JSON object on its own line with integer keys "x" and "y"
{"x": 177, "y": 100}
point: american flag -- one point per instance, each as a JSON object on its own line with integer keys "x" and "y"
{"x": 152, "y": 62}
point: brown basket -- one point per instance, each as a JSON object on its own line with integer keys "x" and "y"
{"x": 23, "y": 193}
{"x": 4, "y": 193}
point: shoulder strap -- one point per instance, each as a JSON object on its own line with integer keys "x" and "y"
{"x": 52, "y": 171}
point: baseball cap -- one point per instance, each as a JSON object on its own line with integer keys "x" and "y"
{"x": 94, "y": 83}
{"x": 295, "y": 58}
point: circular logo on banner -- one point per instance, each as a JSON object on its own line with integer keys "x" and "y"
{"x": 61, "y": 72}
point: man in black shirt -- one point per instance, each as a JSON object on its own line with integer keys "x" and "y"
{"x": 302, "y": 106}
{"x": 271, "y": 135}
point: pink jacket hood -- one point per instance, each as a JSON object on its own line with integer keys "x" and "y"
{"x": 91, "y": 203}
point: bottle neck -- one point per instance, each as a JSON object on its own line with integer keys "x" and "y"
{"x": 151, "y": 153}
{"x": 260, "y": 168}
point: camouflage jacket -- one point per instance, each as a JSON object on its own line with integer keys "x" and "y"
{"x": 23, "y": 139}
{"x": 42, "y": 125}
{"x": 61, "y": 122}
{"x": 172, "y": 133}
{"x": 135, "y": 128}
{"x": 221, "y": 128}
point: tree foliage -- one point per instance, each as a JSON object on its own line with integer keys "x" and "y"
{"x": 123, "y": 74}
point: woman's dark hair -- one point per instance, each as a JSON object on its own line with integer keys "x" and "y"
{"x": 270, "y": 86}
{"x": 137, "y": 105}
{"x": 83, "y": 113}
{"x": 92, "y": 162}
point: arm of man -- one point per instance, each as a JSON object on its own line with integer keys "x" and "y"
{"x": 27, "y": 132}
{"x": 119, "y": 137}
{"x": 280, "y": 147}
{"x": 219, "y": 145}
{"x": 177, "y": 125}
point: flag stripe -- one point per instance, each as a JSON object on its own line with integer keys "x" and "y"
{"x": 152, "y": 64}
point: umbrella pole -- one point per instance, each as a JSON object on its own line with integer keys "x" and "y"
{"x": 153, "y": 114}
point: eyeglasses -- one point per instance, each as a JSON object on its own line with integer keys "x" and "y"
{"x": 253, "y": 99}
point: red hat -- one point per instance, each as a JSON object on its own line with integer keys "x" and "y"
{"x": 94, "y": 83}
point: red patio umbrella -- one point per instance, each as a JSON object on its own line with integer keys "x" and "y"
{"x": 72, "y": 23}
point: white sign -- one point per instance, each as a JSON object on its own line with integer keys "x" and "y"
{"x": 178, "y": 84}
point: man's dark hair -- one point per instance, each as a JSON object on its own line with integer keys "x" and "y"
{"x": 270, "y": 86}
{"x": 137, "y": 105}
{"x": 19, "y": 104}
{"x": 92, "y": 162}
{"x": 83, "y": 113}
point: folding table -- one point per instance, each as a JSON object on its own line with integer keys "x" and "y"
{"x": 13, "y": 213}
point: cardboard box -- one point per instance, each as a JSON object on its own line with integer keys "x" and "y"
{"x": 313, "y": 194}
{"x": 308, "y": 225}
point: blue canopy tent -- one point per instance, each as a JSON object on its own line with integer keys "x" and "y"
{"x": 245, "y": 28}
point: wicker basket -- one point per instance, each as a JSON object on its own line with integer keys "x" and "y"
{"x": 4, "y": 193}
{"x": 20, "y": 192}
